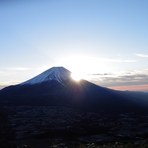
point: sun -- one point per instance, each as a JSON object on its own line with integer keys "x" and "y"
{"x": 83, "y": 67}
{"x": 76, "y": 76}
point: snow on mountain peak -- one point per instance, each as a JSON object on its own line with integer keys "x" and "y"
{"x": 59, "y": 74}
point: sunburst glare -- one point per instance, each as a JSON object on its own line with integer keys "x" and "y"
{"x": 76, "y": 76}
{"x": 83, "y": 66}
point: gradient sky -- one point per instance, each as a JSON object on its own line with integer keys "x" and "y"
{"x": 107, "y": 40}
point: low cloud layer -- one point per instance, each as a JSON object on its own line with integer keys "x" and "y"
{"x": 121, "y": 79}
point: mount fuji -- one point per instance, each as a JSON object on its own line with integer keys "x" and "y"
{"x": 59, "y": 74}
{"x": 56, "y": 87}
{"x": 52, "y": 104}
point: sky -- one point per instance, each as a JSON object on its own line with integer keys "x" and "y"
{"x": 103, "y": 41}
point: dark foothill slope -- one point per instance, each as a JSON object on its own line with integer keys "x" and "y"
{"x": 56, "y": 87}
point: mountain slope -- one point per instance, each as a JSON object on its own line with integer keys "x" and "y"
{"x": 53, "y": 105}
{"x": 56, "y": 87}
{"x": 59, "y": 74}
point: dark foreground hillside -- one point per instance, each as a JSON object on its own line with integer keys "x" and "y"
{"x": 76, "y": 144}
{"x": 62, "y": 124}
{"x": 83, "y": 95}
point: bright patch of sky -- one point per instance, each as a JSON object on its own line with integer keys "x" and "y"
{"x": 95, "y": 37}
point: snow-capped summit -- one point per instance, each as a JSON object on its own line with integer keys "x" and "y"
{"x": 59, "y": 74}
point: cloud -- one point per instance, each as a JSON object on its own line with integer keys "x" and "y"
{"x": 121, "y": 79}
{"x": 14, "y": 75}
{"x": 129, "y": 79}
{"x": 41, "y": 67}
{"x": 129, "y": 61}
{"x": 101, "y": 74}
{"x": 16, "y": 68}
{"x": 116, "y": 60}
{"x": 142, "y": 55}
{"x": 2, "y": 72}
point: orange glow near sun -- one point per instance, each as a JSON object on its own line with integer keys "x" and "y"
{"x": 131, "y": 88}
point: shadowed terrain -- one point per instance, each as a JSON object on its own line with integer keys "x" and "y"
{"x": 74, "y": 110}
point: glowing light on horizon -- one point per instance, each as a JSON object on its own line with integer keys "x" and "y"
{"x": 91, "y": 67}
{"x": 82, "y": 66}
{"x": 78, "y": 76}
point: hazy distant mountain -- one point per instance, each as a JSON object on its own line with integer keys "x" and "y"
{"x": 56, "y": 87}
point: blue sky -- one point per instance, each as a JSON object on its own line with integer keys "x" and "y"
{"x": 106, "y": 39}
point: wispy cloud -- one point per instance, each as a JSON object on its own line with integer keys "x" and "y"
{"x": 2, "y": 72}
{"x": 126, "y": 78}
{"x": 16, "y": 68}
{"x": 14, "y": 75}
{"x": 129, "y": 61}
{"x": 142, "y": 55}
{"x": 115, "y": 60}
{"x": 43, "y": 67}
{"x": 101, "y": 74}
